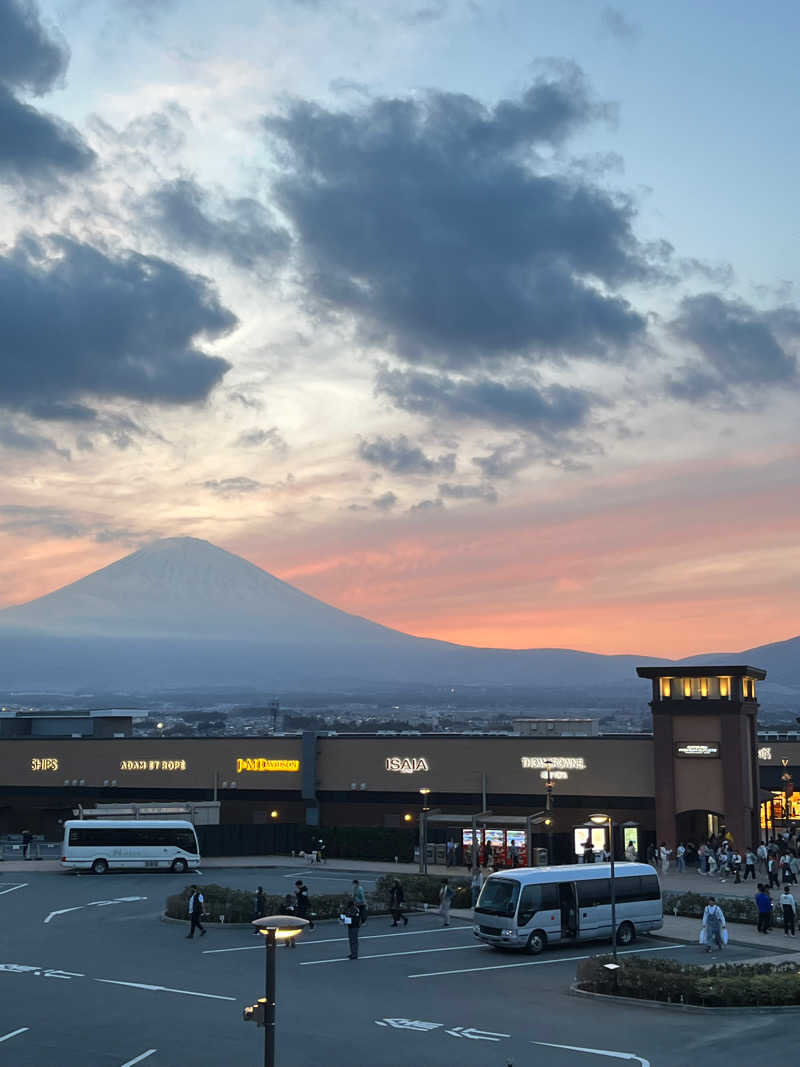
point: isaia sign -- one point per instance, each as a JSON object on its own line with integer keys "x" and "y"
{"x": 407, "y": 764}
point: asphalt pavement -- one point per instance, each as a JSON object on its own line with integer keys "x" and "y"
{"x": 91, "y": 977}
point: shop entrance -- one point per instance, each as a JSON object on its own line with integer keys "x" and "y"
{"x": 699, "y": 826}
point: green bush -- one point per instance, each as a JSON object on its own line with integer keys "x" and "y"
{"x": 238, "y": 905}
{"x": 725, "y": 985}
{"x": 424, "y": 889}
{"x": 692, "y": 905}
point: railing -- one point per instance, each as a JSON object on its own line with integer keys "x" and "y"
{"x": 11, "y": 848}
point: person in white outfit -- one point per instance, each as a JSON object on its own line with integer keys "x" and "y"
{"x": 714, "y": 929}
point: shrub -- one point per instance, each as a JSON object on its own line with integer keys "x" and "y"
{"x": 424, "y": 889}
{"x": 238, "y": 905}
{"x": 725, "y": 985}
{"x": 691, "y": 905}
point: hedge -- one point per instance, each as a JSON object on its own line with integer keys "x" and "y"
{"x": 424, "y": 889}
{"x": 692, "y": 905}
{"x": 723, "y": 986}
{"x": 238, "y": 905}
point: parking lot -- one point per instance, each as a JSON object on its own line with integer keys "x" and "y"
{"x": 91, "y": 977}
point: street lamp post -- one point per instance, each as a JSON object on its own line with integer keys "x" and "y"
{"x": 423, "y": 830}
{"x": 606, "y": 820}
{"x": 274, "y": 928}
{"x": 548, "y": 807}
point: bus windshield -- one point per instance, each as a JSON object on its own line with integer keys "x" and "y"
{"x": 498, "y": 897}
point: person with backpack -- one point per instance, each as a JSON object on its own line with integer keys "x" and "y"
{"x": 713, "y": 932}
{"x": 445, "y": 900}
{"x": 195, "y": 912}
{"x": 396, "y": 900}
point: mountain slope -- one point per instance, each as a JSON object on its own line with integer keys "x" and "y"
{"x": 182, "y": 612}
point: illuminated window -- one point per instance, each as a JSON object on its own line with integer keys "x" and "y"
{"x": 749, "y": 687}
{"x": 724, "y": 688}
{"x": 666, "y": 688}
{"x": 704, "y": 687}
{"x": 687, "y": 687}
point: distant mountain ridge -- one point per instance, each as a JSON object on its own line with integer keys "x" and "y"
{"x": 183, "y": 612}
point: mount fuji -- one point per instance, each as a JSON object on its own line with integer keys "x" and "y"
{"x": 182, "y": 613}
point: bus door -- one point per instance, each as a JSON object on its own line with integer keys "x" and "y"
{"x": 569, "y": 910}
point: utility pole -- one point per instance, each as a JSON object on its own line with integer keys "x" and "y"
{"x": 548, "y": 807}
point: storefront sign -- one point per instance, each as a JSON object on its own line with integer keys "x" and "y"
{"x": 152, "y": 765}
{"x": 697, "y": 751}
{"x": 554, "y": 767}
{"x": 765, "y": 752}
{"x": 407, "y": 764}
{"x": 44, "y": 763}
{"x": 261, "y": 763}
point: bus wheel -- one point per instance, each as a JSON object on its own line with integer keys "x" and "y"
{"x": 179, "y": 866}
{"x": 100, "y": 867}
{"x": 626, "y": 934}
{"x": 537, "y": 942}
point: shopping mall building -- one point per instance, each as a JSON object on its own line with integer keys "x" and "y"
{"x": 702, "y": 768}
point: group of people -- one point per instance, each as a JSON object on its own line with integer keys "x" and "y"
{"x": 777, "y": 861}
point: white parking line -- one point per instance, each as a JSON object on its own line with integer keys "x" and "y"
{"x": 11, "y": 886}
{"x": 332, "y": 940}
{"x": 138, "y": 1059}
{"x": 15, "y": 1033}
{"x": 540, "y": 963}
{"x": 596, "y": 1052}
{"x": 95, "y": 904}
{"x": 163, "y": 989}
{"x": 413, "y": 952}
{"x": 62, "y": 911}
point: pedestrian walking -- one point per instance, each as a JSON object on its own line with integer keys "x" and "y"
{"x": 750, "y": 865}
{"x": 360, "y": 901}
{"x": 773, "y": 868}
{"x": 789, "y": 911}
{"x": 736, "y": 866}
{"x": 27, "y": 837}
{"x": 763, "y": 907}
{"x": 761, "y": 855}
{"x": 259, "y": 907}
{"x": 714, "y": 931}
{"x": 664, "y": 854}
{"x": 445, "y": 900}
{"x": 351, "y": 918}
{"x": 302, "y": 902}
{"x": 396, "y": 901}
{"x": 680, "y": 854}
{"x": 195, "y": 912}
{"x": 630, "y": 852}
{"x": 477, "y": 883}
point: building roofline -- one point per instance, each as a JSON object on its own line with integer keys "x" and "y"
{"x": 705, "y": 670}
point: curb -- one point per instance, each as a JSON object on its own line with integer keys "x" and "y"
{"x": 691, "y": 1009}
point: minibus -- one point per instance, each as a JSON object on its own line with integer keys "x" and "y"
{"x": 101, "y": 845}
{"x": 533, "y": 907}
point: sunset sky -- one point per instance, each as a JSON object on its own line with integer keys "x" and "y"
{"x": 475, "y": 317}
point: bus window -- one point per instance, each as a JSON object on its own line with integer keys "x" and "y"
{"x": 593, "y": 892}
{"x": 498, "y": 897}
{"x": 536, "y": 898}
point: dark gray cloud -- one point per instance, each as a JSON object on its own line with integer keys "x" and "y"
{"x": 31, "y": 59}
{"x": 547, "y": 410}
{"x": 242, "y": 229}
{"x": 399, "y": 456}
{"x": 436, "y": 225}
{"x": 617, "y": 24}
{"x": 232, "y": 486}
{"x": 77, "y": 323}
{"x": 426, "y": 505}
{"x": 740, "y": 346}
{"x": 25, "y": 441}
{"x": 385, "y": 502}
{"x": 506, "y": 459}
{"x": 448, "y": 491}
{"x": 271, "y": 438}
{"x": 61, "y": 522}
{"x": 34, "y": 146}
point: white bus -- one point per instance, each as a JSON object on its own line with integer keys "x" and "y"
{"x": 100, "y": 845}
{"x": 533, "y": 907}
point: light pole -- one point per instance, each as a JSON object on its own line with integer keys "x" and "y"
{"x": 423, "y": 830}
{"x": 548, "y": 807}
{"x": 606, "y": 820}
{"x": 274, "y": 928}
